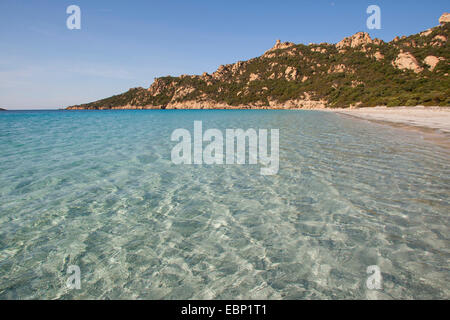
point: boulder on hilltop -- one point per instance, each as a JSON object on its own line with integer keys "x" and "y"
{"x": 445, "y": 18}
{"x": 358, "y": 39}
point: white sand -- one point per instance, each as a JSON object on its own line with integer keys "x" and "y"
{"x": 426, "y": 117}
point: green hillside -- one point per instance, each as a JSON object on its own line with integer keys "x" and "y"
{"x": 358, "y": 71}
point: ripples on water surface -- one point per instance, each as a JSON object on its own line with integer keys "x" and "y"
{"x": 98, "y": 190}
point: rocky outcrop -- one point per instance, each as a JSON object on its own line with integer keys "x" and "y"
{"x": 291, "y": 73}
{"x": 160, "y": 85}
{"x": 426, "y": 33}
{"x": 282, "y": 45}
{"x": 378, "y": 56}
{"x": 406, "y": 61}
{"x": 305, "y": 102}
{"x": 254, "y": 77}
{"x": 445, "y": 18}
{"x": 439, "y": 40}
{"x": 432, "y": 61}
{"x": 229, "y": 72}
{"x": 271, "y": 53}
{"x": 319, "y": 49}
{"x": 357, "y": 40}
{"x": 194, "y": 104}
{"x": 340, "y": 68}
{"x": 221, "y": 72}
{"x": 182, "y": 92}
{"x": 274, "y": 104}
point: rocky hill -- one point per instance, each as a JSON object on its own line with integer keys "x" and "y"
{"x": 358, "y": 71}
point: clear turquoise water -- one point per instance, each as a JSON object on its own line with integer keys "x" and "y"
{"x": 98, "y": 190}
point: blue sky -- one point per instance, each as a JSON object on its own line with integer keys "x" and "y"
{"x": 124, "y": 44}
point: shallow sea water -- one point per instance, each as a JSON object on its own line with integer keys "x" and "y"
{"x": 98, "y": 189}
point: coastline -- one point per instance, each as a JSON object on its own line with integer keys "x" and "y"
{"x": 432, "y": 122}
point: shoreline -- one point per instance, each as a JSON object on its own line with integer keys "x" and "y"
{"x": 432, "y": 122}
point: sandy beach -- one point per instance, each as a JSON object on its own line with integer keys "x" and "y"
{"x": 433, "y": 122}
{"x": 437, "y": 118}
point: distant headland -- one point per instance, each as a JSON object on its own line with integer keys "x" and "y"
{"x": 356, "y": 72}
